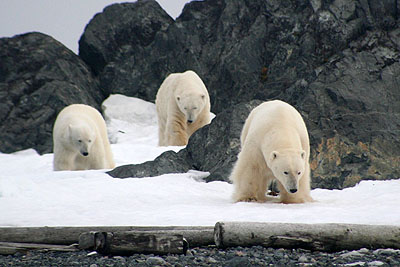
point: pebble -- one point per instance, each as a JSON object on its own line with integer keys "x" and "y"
{"x": 155, "y": 261}
{"x": 375, "y": 263}
{"x": 351, "y": 254}
{"x": 212, "y": 256}
{"x": 303, "y": 259}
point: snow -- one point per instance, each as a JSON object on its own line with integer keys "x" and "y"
{"x": 32, "y": 194}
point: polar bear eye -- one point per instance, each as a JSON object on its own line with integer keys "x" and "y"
{"x": 298, "y": 173}
{"x": 285, "y": 173}
{"x": 80, "y": 141}
{"x": 90, "y": 141}
{"x": 195, "y": 108}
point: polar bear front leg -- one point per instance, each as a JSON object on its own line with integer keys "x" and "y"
{"x": 176, "y": 134}
{"x": 63, "y": 162}
{"x": 249, "y": 181}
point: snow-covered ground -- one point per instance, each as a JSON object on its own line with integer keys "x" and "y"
{"x": 32, "y": 194}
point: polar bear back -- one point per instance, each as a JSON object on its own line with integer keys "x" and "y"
{"x": 276, "y": 116}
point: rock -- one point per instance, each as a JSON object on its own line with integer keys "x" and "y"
{"x": 38, "y": 77}
{"x": 117, "y": 44}
{"x": 155, "y": 261}
{"x": 213, "y": 148}
{"x": 168, "y": 162}
{"x": 336, "y": 61}
{"x": 353, "y": 114}
{"x": 238, "y": 262}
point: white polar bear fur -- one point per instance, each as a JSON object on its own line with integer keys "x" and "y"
{"x": 274, "y": 145}
{"x": 80, "y": 130}
{"x": 183, "y": 106}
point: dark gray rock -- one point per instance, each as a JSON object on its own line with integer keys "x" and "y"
{"x": 353, "y": 113}
{"x": 117, "y": 44}
{"x": 213, "y": 149}
{"x": 336, "y": 61}
{"x": 168, "y": 162}
{"x": 38, "y": 77}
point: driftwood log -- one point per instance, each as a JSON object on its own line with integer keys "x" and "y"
{"x": 9, "y": 248}
{"x": 195, "y": 235}
{"x": 130, "y": 242}
{"x": 322, "y": 237}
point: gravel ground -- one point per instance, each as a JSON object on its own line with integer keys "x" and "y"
{"x": 212, "y": 256}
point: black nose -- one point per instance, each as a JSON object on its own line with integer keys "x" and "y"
{"x": 85, "y": 153}
{"x": 293, "y": 191}
{"x": 190, "y": 121}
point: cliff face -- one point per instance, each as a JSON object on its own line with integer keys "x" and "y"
{"x": 336, "y": 61}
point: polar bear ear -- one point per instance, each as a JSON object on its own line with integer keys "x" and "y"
{"x": 303, "y": 154}
{"x": 70, "y": 128}
{"x": 274, "y": 155}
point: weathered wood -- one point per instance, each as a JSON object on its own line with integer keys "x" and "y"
{"x": 195, "y": 235}
{"x": 130, "y": 242}
{"x": 322, "y": 237}
{"x": 9, "y": 248}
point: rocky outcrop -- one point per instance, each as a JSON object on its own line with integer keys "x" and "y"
{"x": 118, "y": 45}
{"x": 336, "y": 61}
{"x": 38, "y": 77}
{"x": 212, "y": 149}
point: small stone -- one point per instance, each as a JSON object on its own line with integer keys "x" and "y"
{"x": 351, "y": 254}
{"x": 375, "y": 263}
{"x": 240, "y": 253}
{"x": 155, "y": 261}
{"x": 363, "y": 250}
{"x": 93, "y": 253}
{"x": 171, "y": 259}
{"x": 303, "y": 259}
{"x": 358, "y": 263}
{"x": 387, "y": 251}
{"x": 122, "y": 259}
{"x": 238, "y": 262}
{"x": 211, "y": 260}
{"x": 189, "y": 253}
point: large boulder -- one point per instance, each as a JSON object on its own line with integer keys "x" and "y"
{"x": 118, "y": 45}
{"x": 38, "y": 77}
{"x": 353, "y": 113}
{"x": 212, "y": 149}
{"x": 336, "y": 61}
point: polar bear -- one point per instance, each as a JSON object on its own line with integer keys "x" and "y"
{"x": 274, "y": 146}
{"x": 183, "y": 106}
{"x": 80, "y": 140}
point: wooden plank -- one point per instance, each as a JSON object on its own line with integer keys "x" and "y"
{"x": 130, "y": 242}
{"x": 323, "y": 237}
{"x": 195, "y": 235}
{"x": 9, "y": 248}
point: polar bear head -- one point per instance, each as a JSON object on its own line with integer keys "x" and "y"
{"x": 191, "y": 105}
{"x": 81, "y": 138}
{"x": 288, "y": 167}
